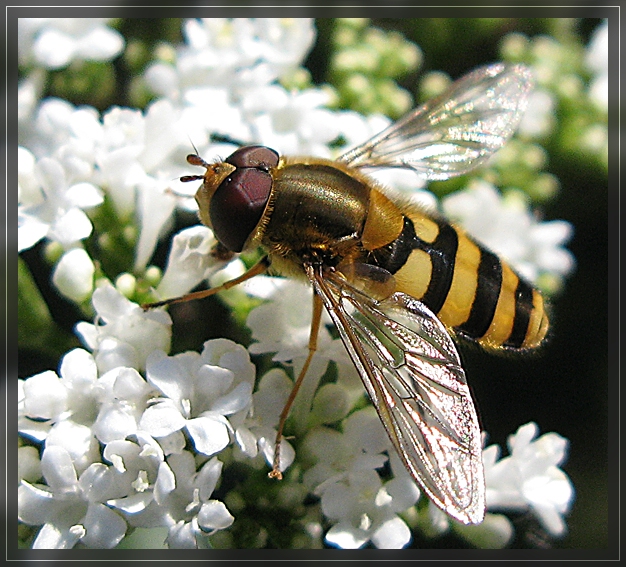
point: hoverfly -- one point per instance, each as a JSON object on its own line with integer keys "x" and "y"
{"x": 398, "y": 282}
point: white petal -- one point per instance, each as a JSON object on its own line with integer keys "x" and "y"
{"x": 73, "y": 275}
{"x": 78, "y": 440}
{"x": 34, "y": 504}
{"x": 209, "y": 434}
{"x": 29, "y": 192}
{"x": 130, "y": 386}
{"x": 182, "y": 536}
{"x": 211, "y": 383}
{"x": 521, "y": 439}
{"x": 87, "y": 333}
{"x": 58, "y": 469}
{"x": 162, "y": 78}
{"x": 30, "y": 230}
{"x": 161, "y": 419}
{"x": 207, "y": 478}
{"x": 114, "y": 422}
{"x": 104, "y": 527}
{"x": 53, "y": 49}
{"x": 71, "y": 227}
{"x": 165, "y": 483}
{"x": 393, "y": 534}
{"x": 271, "y": 396}
{"x": 236, "y": 400}
{"x": 36, "y": 430}
{"x": 150, "y": 448}
{"x": 163, "y": 134}
{"x": 403, "y": 491}
{"x": 78, "y": 369}
{"x": 155, "y": 209}
{"x": 84, "y": 195}
{"x": 45, "y": 396}
{"x": 338, "y": 501}
{"x": 495, "y": 532}
{"x": 98, "y": 482}
{"x": 132, "y": 504}
{"x": 172, "y": 444}
{"x": 110, "y": 303}
{"x": 184, "y": 467}
{"x": 55, "y": 537}
{"x": 168, "y": 375}
{"x": 101, "y": 44}
{"x": 188, "y": 261}
{"x": 550, "y": 518}
{"x": 330, "y": 404}
{"x": 112, "y": 353}
{"x": 246, "y": 441}
{"x": 28, "y": 463}
{"x": 363, "y": 429}
{"x": 346, "y": 536}
{"x": 214, "y": 515}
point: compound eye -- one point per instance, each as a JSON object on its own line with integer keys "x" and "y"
{"x": 259, "y": 157}
{"x": 238, "y": 204}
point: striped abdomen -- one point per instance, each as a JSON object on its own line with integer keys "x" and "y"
{"x": 469, "y": 288}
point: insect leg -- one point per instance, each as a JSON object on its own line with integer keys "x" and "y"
{"x": 260, "y": 267}
{"x": 315, "y": 327}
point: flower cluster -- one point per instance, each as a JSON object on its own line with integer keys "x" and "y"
{"x": 146, "y": 476}
{"x": 127, "y": 435}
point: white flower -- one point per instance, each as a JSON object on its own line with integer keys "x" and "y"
{"x": 354, "y": 498}
{"x": 191, "y": 512}
{"x": 531, "y": 478}
{"x": 48, "y": 399}
{"x": 291, "y": 122}
{"x": 540, "y": 117}
{"x": 70, "y": 509}
{"x": 124, "y": 334}
{"x": 73, "y": 275}
{"x": 55, "y": 42}
{"x": 189, "y": 261}
{"x": 141, "y": 479}
{"x": 507, "y": 227}
{"x": 122, "y": 397}
{"x": 59, "y": 216}
{"x": 169, "y": 493}
{"x": 57, "y": 124}
{"x": 29, "y": 91}
{"x": 258, "y": 432}
{"x": 236, "y": 53}
{"x": 225, "y": 78}
{"x": 199, "y": 392}
{"x": 138, "y": 160}
{"x": 597, "y": 61}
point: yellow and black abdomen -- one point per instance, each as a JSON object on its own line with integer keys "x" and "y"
{"x": 468, "y": 287}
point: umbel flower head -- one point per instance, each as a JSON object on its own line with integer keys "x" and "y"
{"x": 128, "y": 434}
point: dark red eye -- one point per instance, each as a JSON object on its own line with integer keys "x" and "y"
{"x": 254, "y": 156}
{"x": 238, "y": 204}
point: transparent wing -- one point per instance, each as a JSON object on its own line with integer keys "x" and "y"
{"x": 456, "y": 131}
{"x": 412, "y": 373}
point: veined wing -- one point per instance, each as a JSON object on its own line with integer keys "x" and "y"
{"x": 412, "y": 373}
{"x": 456, "y": 131}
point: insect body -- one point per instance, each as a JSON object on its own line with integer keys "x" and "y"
{"x": 397, "y": 281}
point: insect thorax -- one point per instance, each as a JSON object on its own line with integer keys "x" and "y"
{"x": 316, "y": 210}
